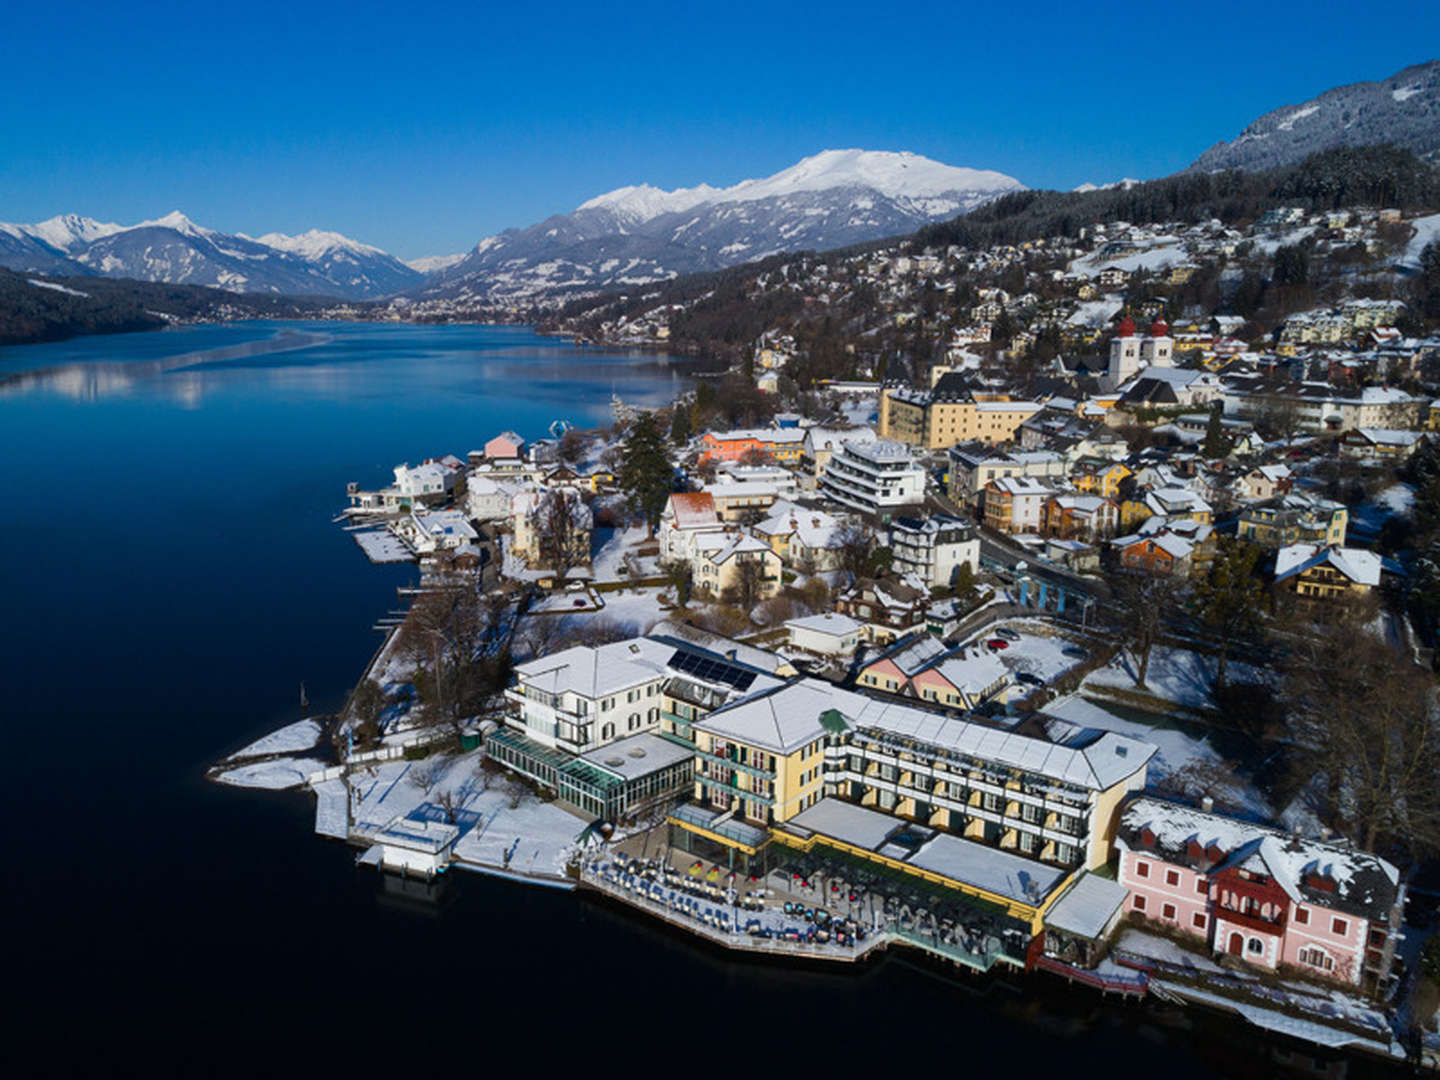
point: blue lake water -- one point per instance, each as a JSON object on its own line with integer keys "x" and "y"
{"x": 170, "y": 575}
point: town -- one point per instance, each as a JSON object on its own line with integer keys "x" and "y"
{"x": 1063, "y": 607}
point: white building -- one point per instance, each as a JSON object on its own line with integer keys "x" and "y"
{"x": 828, "y": 634}
{"x": 876, "y": 478}
{"x": 934, "y": 548}
{"x": 1129, "y": 352}
{"x": 410, "y": 846}
{"x": 435, "y": 530}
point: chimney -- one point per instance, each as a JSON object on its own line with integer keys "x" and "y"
{"x": 1207, "y": 804}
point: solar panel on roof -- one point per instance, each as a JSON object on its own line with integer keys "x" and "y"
{"x": 711, "y": 670}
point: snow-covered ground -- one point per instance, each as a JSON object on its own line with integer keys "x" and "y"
{"x": 1176, "y": 748}
{"x": 1097, "y": 312}
{"x": 638, "y": 608}
{"x": 301, "y": 735}
{"x": 1176, "y": 675}
{"x": 274, "y": 775}
{"x": 1367, "y": 519}
{"x": 538, "y": 835}
{"x": 1427, "y": 231}
{"x": 613, "y": 547}
{"x": 1165, "y": 251}
{"x": 1039, "y": 651}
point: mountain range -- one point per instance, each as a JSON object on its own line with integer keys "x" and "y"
{"x": 175, "y": 250}
{"x": 1403, "y": 110}
{"x": 639, "y": 234}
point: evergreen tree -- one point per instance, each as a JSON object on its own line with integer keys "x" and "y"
{"x": 680, "y": 429}
{"x": 1227, "y": 599}
{"x": 646, "y": 474}
{"x": 1216, "y": 445}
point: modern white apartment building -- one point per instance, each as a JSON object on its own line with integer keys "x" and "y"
{"x": 878, "y": 478}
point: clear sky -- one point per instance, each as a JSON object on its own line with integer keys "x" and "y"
{"x": 422, "y": 128}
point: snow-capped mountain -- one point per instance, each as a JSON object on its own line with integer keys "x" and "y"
{"x": 362, "y": 269}
{"x": 1126, "y": 184}
{"x": 174, "y": 249}
{"x": 1403, "y": 110}
{"x": 429, "y": 264}
{"x": 641, "y": 233}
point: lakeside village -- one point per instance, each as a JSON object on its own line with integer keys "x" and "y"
{"x": 1118, "y": 677}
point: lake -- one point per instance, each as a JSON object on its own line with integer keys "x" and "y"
{"x": 171, "y": 575}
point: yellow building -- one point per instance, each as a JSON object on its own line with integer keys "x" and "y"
{"x": 1096, "y": 476}
{"x": 1294, "y": 518}
{"x": 950, "y": 413}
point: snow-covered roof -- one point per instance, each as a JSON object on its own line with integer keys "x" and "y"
{"x": 782, "y": 719}
{"x": 1002, "y": 873}
{"x": 829, "y": 622}
{"x": 1097, "y": 766}
{"x": 1357, "y": 564}
{"x": 598, "y": 671}
{"x": 693, "y": 510}
{"x": 1318, "y": 872}
{"x": 1087, "y": 906}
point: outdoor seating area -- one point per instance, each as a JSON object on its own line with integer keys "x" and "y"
{"x": 871, "y": 895}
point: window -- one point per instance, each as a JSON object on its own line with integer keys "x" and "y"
{"x": 1172, "y": 877}
{"x": 1139, "y": 904}
{"x": 1142, "y": 868}
{"x": 1255, "y": 945}
{"x": 1339, "y": 927}
{"x": 1168, "y": 911}
{"x": 1302, "y": 916}
{"x": 1198, "y": 920}
{"x": 1316, "y": 958}
{"x": 1200, "y": 886}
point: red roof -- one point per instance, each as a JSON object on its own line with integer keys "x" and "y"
{"x": 1126, "y": 327}
{"x": 1158, "y": 327}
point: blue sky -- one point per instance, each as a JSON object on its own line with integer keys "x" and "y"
{"x": 422, "y": 128}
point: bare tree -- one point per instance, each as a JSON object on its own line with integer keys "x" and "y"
{"x": 449, "y": 801}
{"x": 364, "y": 709}
{"x": 1365, "y": 720}
{"x": 749, "y": 586}
{"x": 425, "y": 774}
{"x": 572, "y": 445}
{"x": 1143, "y": 600}
{"x": 562, "y": 530}
{"x": 854, "y": 548}
{"x": 456, "y": 637}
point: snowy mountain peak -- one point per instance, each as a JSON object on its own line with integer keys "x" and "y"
{"x": 429, "y": 264}
{"x": 316, "y": 244}
{"x": 177, "y": 221}
{"x": 642, "y": 233}
{"x": 66, "y": 232}
{"x": 902, "y": 175}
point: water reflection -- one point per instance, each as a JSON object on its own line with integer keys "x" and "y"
{"x": 96, "y": 379}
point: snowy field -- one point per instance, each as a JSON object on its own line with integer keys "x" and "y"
{"x": 275, "y": 775}
{"x": 1097, "y": 312}
{"x": 1176, "y": 748}
{"x": 290, "y": 739}
{"x": 1427, "y": 230}
{"x": 1166, "y": 251}
{"x": 1175, "y": 675}
{"x": 613, "y": 546}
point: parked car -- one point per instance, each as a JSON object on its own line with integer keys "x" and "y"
{"x": 998, "y": 643}
{"x": 1075, "y": 652}
{"x": 1028, "y": 679}
{"x": 1007, "y": 633}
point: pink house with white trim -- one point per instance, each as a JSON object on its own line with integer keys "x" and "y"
{"x": 1259, "y": 894}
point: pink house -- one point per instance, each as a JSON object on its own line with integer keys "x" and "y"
{"x": 505, "y": 445}
{"x": 1259, "y": 894}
